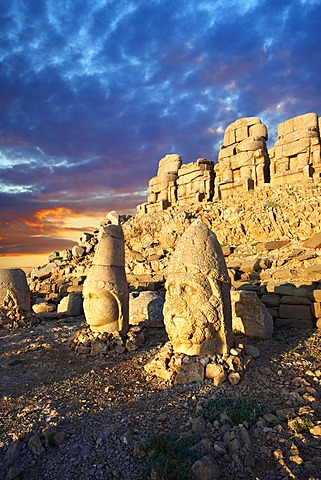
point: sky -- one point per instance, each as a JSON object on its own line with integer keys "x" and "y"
{"x": 94, "y": 94}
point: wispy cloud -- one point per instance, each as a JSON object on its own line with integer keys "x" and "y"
{"x": 93, "y": 94}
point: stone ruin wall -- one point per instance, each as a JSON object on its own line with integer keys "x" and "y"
{"x": 244, "y": 164}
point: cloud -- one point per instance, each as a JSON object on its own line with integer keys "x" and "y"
{"x": 93, "y": 94}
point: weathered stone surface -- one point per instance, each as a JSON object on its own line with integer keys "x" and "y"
{"x": 294, "y": 323}
{"x": 296, "y": 153}
{"x": 206, "y": 468}
{"x": 313, "y": 242}
{"x": 243, "y": 159}
{"x": 316, "y": 309}
{"x": 271, "y": 245}
{"x": 271, "y": 300}
{"x": 302, "y": 312}
{"x": 295, "y": 300}
{"x": 14, "y": 288}
{"x": 71, "y": 305}
{"x": 43, "y": 273}
{"x": 43, "y": 307}
{"x": 215, "y": 372}
{"x": 105, "y": 289}
{"x": 249, "y": 315}
{"x": 313, "y": 272}
{"x": 316, "y": 295}
{"x": 146, "y": 309}
{"x": 78, "y": 251}
{"x": 190, "y": 372}
{"x": 197, "y": 310}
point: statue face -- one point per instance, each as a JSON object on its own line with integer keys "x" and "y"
{"x": 190, "y": 309}
{"x": 102, "y": 309}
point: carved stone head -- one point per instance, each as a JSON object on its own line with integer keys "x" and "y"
{"x": 197, "y": 310}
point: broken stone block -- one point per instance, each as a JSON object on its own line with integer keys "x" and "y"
{"x": 249, "y": 315}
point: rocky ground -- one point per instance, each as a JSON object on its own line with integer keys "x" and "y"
{"x": 67, "y": 416}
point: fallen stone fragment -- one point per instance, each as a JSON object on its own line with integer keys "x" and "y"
{"x": 313, "y": 242}
{"x": 206, "y": 469}
{"x": 35, "y": 445}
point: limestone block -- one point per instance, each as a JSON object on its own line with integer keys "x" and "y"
{"x": 285, "y": 127}
{"x": 250, "y": 144}
{"x": 259, "y": 130}
{"x": 246, "y": 122}
{"x": 289, "y": 289}
{"x": 241, "y": 133}
{"x": 294, "y": 323}
{"x": 307, "y": 121}
{"x": 215, "y": 372}
{"x": 205, "y": 164}
{"x": 278, "y": 151}
{"x": 169, "y": 163}
{"x": 146, "y": 309}
{"x": 249, "y": 315}
{"x": 298, "y": 135}
{"x": 43, "y": 273}
{"x": 52, "y": 256}
{"x": 313, "y": 272}
{"x": 43, "y": 307}
{"x": 271, "y": 245}
{"x": 226, "y": 152}
{"x": 229, "y": 137}
{"x": 293, "y": 148}
{"x": 271, "y": 300}
{"x": 14, "y": 287}
{"x": 316, "y": 295}
{"x": 295, "y": 311}
{"x": 197, "y": 310}
{"x": 303, "y": 159}
{"x": 313, "y": 242}
{"x": 190, "y": 372}
{"x": 78, "y": 251}
{"x": 295, "y": 300}
{"x": 66, "y": 255}
{"x": 71, "y": 305}
{"x": 105, "y": 288}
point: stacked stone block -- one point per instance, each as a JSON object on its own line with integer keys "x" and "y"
{"x": 290, "y": 306}
{"x": 195, "y": 182}
{"x": 162, "y": 188}
{"x": 243, "y": 161}
{"x": 296, "y": 153}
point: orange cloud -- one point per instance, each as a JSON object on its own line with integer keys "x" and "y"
{"x": 57, "y": 212}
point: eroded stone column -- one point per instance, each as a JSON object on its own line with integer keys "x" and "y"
{"x": 105, "y": 289}
{"x": 197, "y": 310}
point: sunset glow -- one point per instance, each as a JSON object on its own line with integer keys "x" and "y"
{"x": 94, "y": 94}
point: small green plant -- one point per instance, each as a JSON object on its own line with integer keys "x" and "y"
{"x": 270, "y": 204}
{"x": 170, "y": 456}
{"x": 236, "y": 410}
{"x": 302, "y": 424}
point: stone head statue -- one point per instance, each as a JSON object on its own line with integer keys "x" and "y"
{"x": 197, "y": 310}
{"x": 105, "y": 289}
{"x": 14, "y": 287}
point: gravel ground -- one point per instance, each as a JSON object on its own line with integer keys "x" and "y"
{"x": 68, "y": 416}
